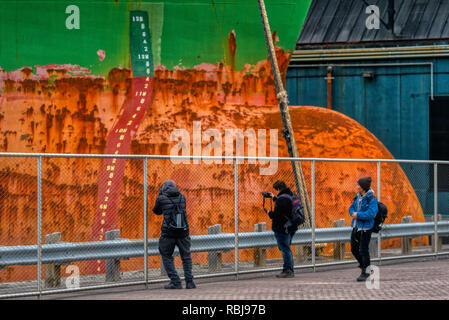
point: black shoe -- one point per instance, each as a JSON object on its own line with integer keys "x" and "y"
{"x": 286, "y": 274}
{"x": 363, "y": 276}
{"x": 172, "y": 285}
{"x": 190, "y": 285}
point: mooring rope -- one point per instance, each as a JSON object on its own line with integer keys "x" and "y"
{"x": 281, "y": 95}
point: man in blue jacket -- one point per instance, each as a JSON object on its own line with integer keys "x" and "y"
{"x": 363, "y": 211}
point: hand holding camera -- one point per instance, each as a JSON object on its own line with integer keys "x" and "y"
{"x": 270, "y": 196}
{"x": 267, "y": 195}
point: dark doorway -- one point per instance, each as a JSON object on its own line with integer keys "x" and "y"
{"x": 439, "y": 138}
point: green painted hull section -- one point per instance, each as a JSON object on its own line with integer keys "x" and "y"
{"x": 183, "y": 34}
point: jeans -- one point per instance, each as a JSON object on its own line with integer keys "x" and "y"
{"x": 360, "y": 247}
{"x": 166, "y": 249}
{"x": 284, "y": 242}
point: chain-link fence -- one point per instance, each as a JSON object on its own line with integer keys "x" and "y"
{"x": 335, "y": 189}
{"x": 209, "y": 192}
{"x": 18, "y": 220}
{"x": 254, "y": 214}
{"x": 78, "y": 221}
{"x": 407, "y": 192}
{"x": 442, "y": 204}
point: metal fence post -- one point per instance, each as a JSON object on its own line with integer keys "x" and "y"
{"x": 52, "y": 271}
{"x": 440, "y": 238}
{"x": 39, "y": 225}
{"x": 260, "y": 254}
{"x": 379, "y": 236}
{"x": 313, "y": 213}
{"x": 112, "y": 265}
{"x": 214, "y": 257}
{"x": 406, "y": 242}
{"x": 145, "y": 220}
{"x": 339, "y": 247}
{"x": 435, "y": 208}
{"x": 236, "y": 218}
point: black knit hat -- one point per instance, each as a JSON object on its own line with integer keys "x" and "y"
{"x": 365, "y": 183}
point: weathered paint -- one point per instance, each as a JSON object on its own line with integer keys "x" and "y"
{"x": 69, "y": 208}
{"x": 212, "y": 68}
{"x": 185, "y": 33}
{"x": 71, "y": 91}
{"x": 119, "y": 138}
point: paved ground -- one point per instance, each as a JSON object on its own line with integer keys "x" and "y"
{"x": 427, "y": 279}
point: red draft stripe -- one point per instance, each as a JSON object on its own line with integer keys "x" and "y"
{"x": 112, "y": 171}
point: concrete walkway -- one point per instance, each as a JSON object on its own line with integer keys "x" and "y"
{"x": 408, "y": 280}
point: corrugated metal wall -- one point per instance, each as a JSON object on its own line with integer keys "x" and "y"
{"x": 394, "y": 106}
{"x": 343, "y": 21}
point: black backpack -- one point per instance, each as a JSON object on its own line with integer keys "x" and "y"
{"x": 177, "y": 222}
{"x": 296, "y": 217}
{"x": 382, "y": 213}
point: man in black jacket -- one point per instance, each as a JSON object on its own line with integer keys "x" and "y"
{"x": 282, "y": 209}
{"x": 168, "y": 200}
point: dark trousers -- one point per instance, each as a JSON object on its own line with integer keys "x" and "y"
{"x": 284, "y": 242}
{"x": 360, "y": 247}
{"x": 166, "y": 249}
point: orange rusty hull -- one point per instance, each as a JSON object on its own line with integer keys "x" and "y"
{"x": 75, "y": 115}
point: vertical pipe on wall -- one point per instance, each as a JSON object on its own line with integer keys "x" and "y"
{"x": 431, "y": 81}
{"x": 329, "y": 86}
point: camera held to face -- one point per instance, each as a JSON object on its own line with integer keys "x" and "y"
{"x": 267, "y": 195}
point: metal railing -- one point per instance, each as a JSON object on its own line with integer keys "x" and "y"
{"x": 63, "y": 253}
{"x": 67, "y": 252}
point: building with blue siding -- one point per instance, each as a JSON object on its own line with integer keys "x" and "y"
{"x": 393, "y": 77}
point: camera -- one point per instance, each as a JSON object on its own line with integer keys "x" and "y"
{"x": 267, "y": 195}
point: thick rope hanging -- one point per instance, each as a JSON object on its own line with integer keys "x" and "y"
{"x": 283, "y": 105}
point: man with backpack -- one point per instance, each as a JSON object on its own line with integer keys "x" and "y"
{"x": 174, "y": 232}
{"x": 283, "y": 226}
{"x": 363, "y": 211}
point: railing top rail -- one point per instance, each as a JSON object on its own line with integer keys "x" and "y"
{"x": 177, "y": 157}
{"x": 120, "y": 248}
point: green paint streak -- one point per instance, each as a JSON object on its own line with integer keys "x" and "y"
{"x": 34, "y": 32}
